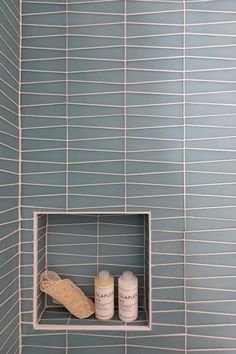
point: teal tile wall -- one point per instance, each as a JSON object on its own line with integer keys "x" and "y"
{"x": 210, "y": 175}
{"x": 43, "y": 106}
{"x": 9, "y": 156}
{"x": 78, "y": 246}
{"x": 43, "y": 120}
{"x": 95, "y": 105}
{"x": 112, "y": 91}
{"x": 154, "y": 160}
{"x": 92, "y": 243}
{"x": 102, "y": 131}
{"x": 42, "y": 260}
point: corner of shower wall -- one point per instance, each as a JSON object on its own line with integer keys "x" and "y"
{"x": 9, "y": 176}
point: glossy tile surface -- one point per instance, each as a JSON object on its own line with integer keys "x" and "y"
{"x": 9, "y": 167}
{"x": 210, "y": 175}
{"x": 102, "y": 123}
{"x": 112, "y": 93}
{"x": 77, "y": 247}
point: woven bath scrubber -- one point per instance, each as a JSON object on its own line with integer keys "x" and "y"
{"x": 65, "y": 292}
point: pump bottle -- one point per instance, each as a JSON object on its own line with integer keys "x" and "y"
{"x": 128, "y": 297}
{"x": 104, "y": 296}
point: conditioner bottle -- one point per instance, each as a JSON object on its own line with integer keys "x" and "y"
{"x": 128, "y": 297}
{"x": 104, "y": 296}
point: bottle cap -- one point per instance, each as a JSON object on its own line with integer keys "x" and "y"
{"x": 104, "y": 274}
{"x": 127, "y": 275}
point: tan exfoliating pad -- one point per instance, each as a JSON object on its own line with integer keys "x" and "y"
{"x": 65, "y": 292}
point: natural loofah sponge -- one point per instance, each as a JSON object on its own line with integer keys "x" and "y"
{"x": 65, "y": 292}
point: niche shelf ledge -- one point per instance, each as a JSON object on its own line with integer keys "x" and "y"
{"x": 77, "y": 245}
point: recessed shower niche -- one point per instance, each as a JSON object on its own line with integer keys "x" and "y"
{"x": 77, "y": 246}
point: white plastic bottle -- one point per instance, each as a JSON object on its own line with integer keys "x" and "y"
{"x": 104, "y": 296}
{"x": 128, "y": 297}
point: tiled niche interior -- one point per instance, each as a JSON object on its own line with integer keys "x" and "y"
{"x": 77, "y": 246}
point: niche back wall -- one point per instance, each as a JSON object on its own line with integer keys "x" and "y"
{"x": 102, "y": 130}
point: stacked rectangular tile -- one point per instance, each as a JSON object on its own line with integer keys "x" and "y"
{"x": 154, "y": 154}
{"x": 79, "y": 246}
{"x": 121, "y": 247}
{"x": 42, "y": 265}
{"x": 95, "y": 105}
{"x": 43, "y": 120}
{"x": 97, "y": 164}
{"x": 91, "y": 93}
{"x": 210, "y": 164}
{"x": 72, "y": 249}
{"x": 96, "y": 127}
{"x": 9, "y": 133}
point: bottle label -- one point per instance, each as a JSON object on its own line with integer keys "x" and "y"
{"x": 104, "y": 302}
{"x": 128, "y": 304}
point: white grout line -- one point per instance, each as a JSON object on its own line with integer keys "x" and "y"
{"x": 97, "y": 241}
{"x": 184, "y": 178}
{"x": 125, "y": 105}
{"x": 10, "y": 24}
{"x": 67, "y": 332}
{"x": 184, "y": 151}
{"x": 12, "y": 13}
{"x": 67, "y": 105}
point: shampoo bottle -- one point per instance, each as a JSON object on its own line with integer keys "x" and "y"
{"x": 104, "y": 296}
{"x": 128, "y": 297}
